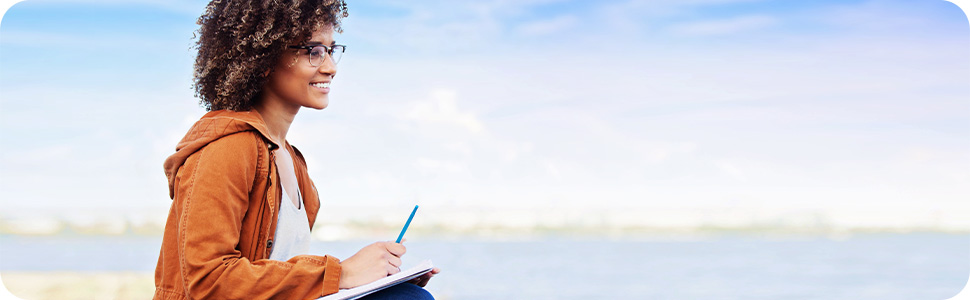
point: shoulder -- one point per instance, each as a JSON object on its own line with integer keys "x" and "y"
{"x": 244, "y": 151}
{"x": 243, "y": 141}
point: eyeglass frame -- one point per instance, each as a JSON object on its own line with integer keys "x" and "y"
{"x": 329, "y": 49}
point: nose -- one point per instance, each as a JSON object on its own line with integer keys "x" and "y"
{"x": 328, "y": 67}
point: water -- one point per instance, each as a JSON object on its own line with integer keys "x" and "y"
{"x": 875, "y": 266}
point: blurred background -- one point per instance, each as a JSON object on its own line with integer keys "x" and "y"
{"x": 718, "y": 149}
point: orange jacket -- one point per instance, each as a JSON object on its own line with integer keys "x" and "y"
{"x": 226, "y": 194}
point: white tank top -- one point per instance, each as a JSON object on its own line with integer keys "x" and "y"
{"x": 292, "y": 230}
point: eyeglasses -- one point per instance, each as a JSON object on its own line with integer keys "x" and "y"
{"x": 319, "y": 52}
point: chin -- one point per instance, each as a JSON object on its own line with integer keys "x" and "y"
{"x": 320, "y": 104}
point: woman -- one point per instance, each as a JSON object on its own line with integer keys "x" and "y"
{"x": 243, "y": 204}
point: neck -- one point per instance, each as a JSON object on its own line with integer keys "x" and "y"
{"x": 278, "y": 119}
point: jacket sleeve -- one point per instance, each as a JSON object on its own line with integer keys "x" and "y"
{"x": 214, "y": 194}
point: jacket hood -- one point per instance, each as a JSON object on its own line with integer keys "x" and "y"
{"x": 213, "y": 126}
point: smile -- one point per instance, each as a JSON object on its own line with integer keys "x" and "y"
{"x": 322, "y": 85}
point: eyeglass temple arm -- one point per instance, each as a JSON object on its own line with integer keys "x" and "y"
{"x": 330, "y": 49}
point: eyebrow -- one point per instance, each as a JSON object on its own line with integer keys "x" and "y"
{"x": 312, "y": 43}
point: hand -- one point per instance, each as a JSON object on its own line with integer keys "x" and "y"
{"x": 373, "y": 262}
{"x": 423, "y": 279}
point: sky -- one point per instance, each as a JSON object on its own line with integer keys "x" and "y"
{"x": 856, "y": 105}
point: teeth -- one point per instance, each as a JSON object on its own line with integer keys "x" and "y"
{"x": 322, "y": 85}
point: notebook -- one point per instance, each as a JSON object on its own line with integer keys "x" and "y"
{"x": 383, "y": 283}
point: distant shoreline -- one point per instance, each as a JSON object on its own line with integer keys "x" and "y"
{"x": 330, "y": 233}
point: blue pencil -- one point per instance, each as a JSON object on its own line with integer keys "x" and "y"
{"x": 399, "y": 237}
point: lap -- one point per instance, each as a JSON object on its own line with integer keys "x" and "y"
{"x": 401, "y": 291}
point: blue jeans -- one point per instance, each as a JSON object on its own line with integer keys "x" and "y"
{"x": 401, "y": 291}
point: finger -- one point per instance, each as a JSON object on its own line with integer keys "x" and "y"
{"x": 416, "y": 281}
{"x": 394, "y": 261}
{"x": 391, "y": 270}
{"x": 396, "y": 249}
{"x": 423, "y": 280}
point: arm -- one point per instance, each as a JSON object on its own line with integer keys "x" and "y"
{"x": 214, "y": 199}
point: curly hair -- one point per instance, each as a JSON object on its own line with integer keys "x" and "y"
{"x": 240, "y": 41}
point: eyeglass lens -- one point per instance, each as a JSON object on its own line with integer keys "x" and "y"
{"x": 319, "y": 53}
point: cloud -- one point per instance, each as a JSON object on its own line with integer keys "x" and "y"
{"x": 427, "y": 165}
{"x": 89, "y": 42}
{"x": 668, "y": 7}
{"x": 890, "y": 17}
{"x": 656, "y": 152}
{"x": 546, "y": 27}
{"x": 725, "y": 26}
{"x": 632, "y": 16}
{"x": 653, "y": 122}
{"x": 442, "y": 109}
{"x": 733, "y": 170}
{"x": 553, "y": 169}
{"x": 187, "y": 7}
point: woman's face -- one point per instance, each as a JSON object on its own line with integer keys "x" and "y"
{"x": 296, "y": 83}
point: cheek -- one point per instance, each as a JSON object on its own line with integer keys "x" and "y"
{"x": 290, "y": 80}
{"x": 298, "y": 76}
